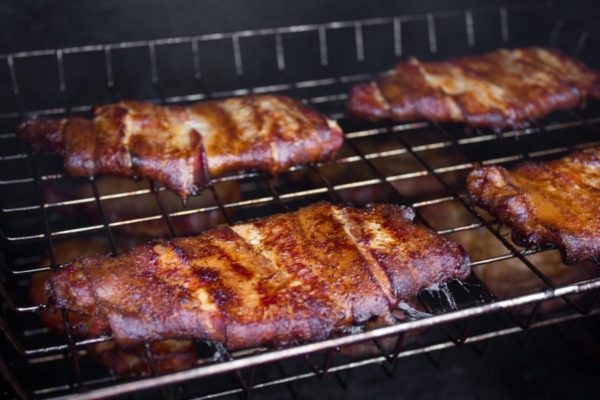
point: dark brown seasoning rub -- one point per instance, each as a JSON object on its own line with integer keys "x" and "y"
{"x": 292, "y": 277}
{"x": 555, "y": 202}
{"x": 168, "y": 355}
{"x": 501, "y": 89}
{"x": 183, "y": 147}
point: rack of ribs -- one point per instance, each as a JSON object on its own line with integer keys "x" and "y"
{"x": 498, "y": 90}
{"x": 555, "y": 202}
{"x": 288, "y": 278}
{"x": 182, "y": 147}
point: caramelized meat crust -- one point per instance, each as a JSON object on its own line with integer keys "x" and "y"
{"x": 555, "y": 202}
{"x": 291, "y": 277}
{"x": 168, "y": 355}
{"x": 182, "y": 146}
{"x": 501, "y": 89}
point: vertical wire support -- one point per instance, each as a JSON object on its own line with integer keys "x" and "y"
{"x": 196, "y": 59}
{"x": 431, "y": 33}
{"x": 554, "y": 35}
{"x": 333, "y": 194}
{"x": 163, "y": 211}
{"x": 391, "y": 358}
{"x": 154, "y": 71}
{"x": 470, "y": 28}
{"x": 580, "y": 43}
{"x": 155, "y": 84}
{"x": 458, "y": 341}
{"x": 386, "y": 182}
{"x": 153, "y": 63}
{"x": 397, "y": 27}
{"x": 74, "y": 355}
{"x": 237, "y": 55}
{"x": 105, "y": 223}
{"x": 153, "y": 367}
{"x": 197, "y": 67}
{"x": 113, "y": 247}
{"x": 279, "y": 51}
{"x": 504, "y": 32}
{"x": 359, "y": 41}
{"x": 13, "y": 75}
{"x": 220, "y": 204}
{"x": 491, "y": 295}
{"x": 64, "y": 314}
{"x": 62, "y": 85}
{"x": 225, "y": 355}
{"x": 323, "y": 52}
{"x": 322, "y": 372}
{"x": 292, "y": 391}
{"x": 267, "y": 181}
{"x": 14, "y": 82}
{"x": 108, "y": 72}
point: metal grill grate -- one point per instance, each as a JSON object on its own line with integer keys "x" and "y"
{"x": 418, "y": 164}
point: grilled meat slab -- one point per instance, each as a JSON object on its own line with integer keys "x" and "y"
{"x": 168, "y": 355}
{"x": 555, "y": 202}
{"x": 501, "y": 89}
{"x": 291, "y": 277}
{"x": 182, "y": 146}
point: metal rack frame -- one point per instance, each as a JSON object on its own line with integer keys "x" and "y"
{"x": 73, "y": 348}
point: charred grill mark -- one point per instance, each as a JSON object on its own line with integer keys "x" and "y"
{"x": 385, "y": 257}
{"x": 361, "y": 242}
{"x": 257, "y": 115}
{"x": 285, "y": 255}
{"x": 342, "y": 263}
{"x": 206, "y": 274}
{"x": 223, "y": 296}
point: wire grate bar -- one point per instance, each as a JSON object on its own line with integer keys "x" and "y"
{"x": 163, "y": 212}
{"x": 579, "y": 121}
{"x": 74, "y": 357}
{"x": 351, "y": 135}
{"x": 284, "y": 30}
{"x": 298, "y": 194}
{"x": 277, "y": 355}
{"x": 288, "y": 379}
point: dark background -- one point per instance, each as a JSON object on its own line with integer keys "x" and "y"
{"x": 37, "y": 24}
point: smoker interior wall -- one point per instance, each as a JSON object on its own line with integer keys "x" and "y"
{"x": 27, "y": 25}
{"x": 34, "y": 24}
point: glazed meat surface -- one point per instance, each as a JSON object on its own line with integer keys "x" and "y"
{"x": 504, "y": 88}
{"x": 168, "y": 355}
{"x": 291, "y": 277}
{"x": 555, "y": 202}
{"x": 183, "y": 146}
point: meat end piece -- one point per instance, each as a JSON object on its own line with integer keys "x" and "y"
{"x": 555, "y": 202}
